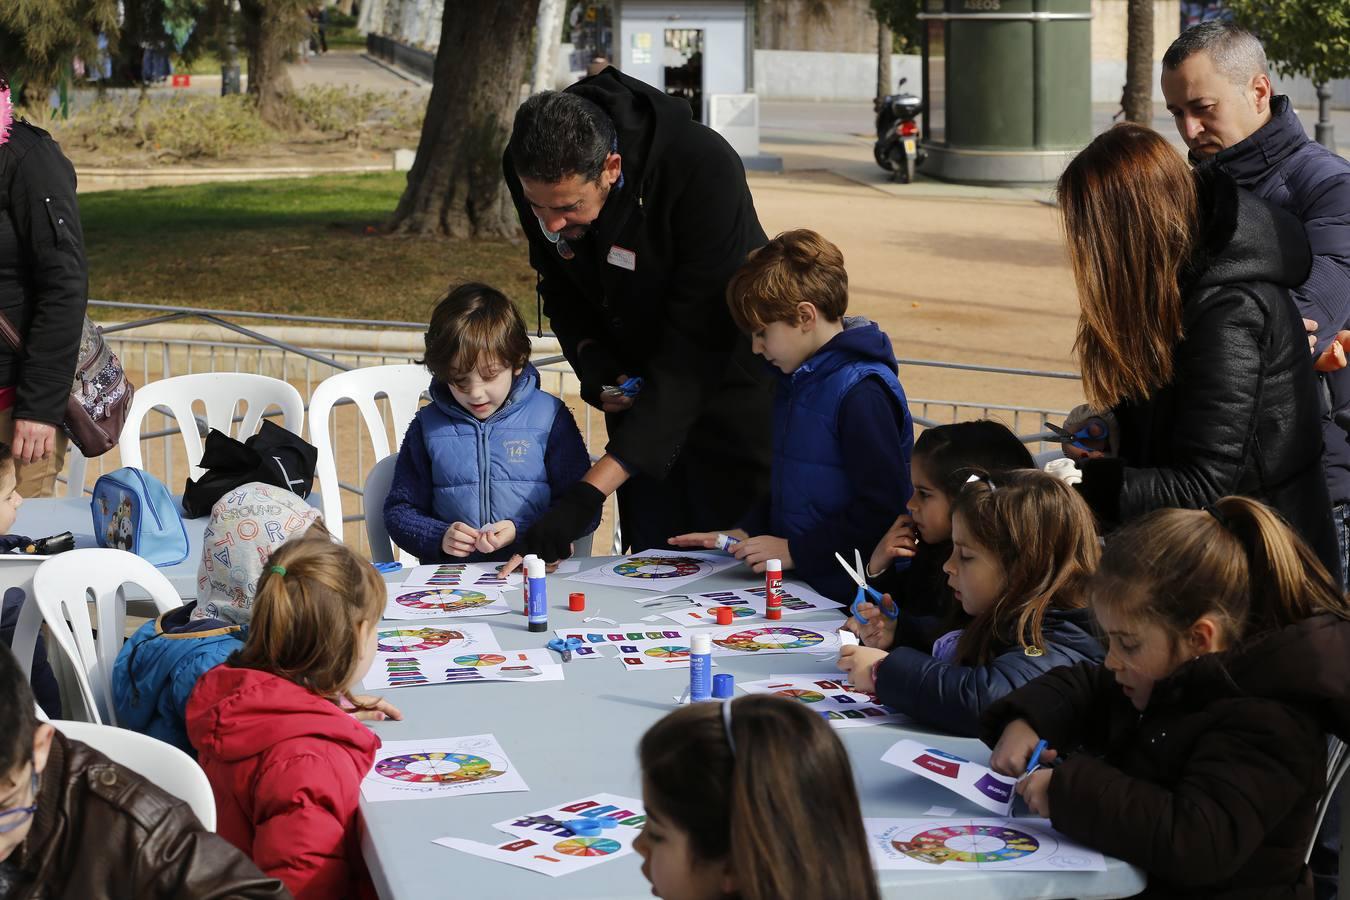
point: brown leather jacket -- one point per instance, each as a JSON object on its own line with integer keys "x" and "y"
{"x": 102, "y": 831}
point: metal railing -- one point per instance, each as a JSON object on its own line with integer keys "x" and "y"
{"x": 251, "y": 349}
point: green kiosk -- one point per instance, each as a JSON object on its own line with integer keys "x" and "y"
{"x": 1007, "y": 89}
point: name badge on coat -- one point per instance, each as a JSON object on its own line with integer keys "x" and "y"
{"x": 624, "y": 259}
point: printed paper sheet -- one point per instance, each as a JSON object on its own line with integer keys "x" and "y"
{"x": 449, "y": 767}
{"x": 978, "y": 784}
{"x": 987, "y": 845}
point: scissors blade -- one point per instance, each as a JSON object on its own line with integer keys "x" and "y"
{"x": 853, "y": 573}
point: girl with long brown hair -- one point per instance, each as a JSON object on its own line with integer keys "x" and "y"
{"x": 752, "y": 799}
{"x": 1188, "y": 334}
{"x": 1023, "y": 544}
{"x": 273, "y": 726}
{"x": 1198, "y": 752}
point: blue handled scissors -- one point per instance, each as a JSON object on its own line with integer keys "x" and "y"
{"x": 565, "y": 646}
{"x": 1076, "y": 438}
{"x": 629, "y": 388}
{"x": 865, "y": 590}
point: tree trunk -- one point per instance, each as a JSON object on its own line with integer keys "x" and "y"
{"x": 547, "y": 39}
{"x": 455, "y": 187}
{"x": 272, "y": 31}
{"x": 345, "y": 6}
{"x": 885, "y": 45}
{"x": 1137, "y": 98}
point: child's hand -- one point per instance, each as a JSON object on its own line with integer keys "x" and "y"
{"x": 878, "y": 631}
{"x": 900, "y": 541}
{"x": 705, "y": 540}
{"x": 1035, "y": 790}
{"x": 756, "y": 551}
{"x": 858, "y": 663}
{"x": 495, "y": 536}
{"x": 459, "y": 540}
{"x": 1333, "y": 358}
{"x": 1014, "y": 748}
{"x": 376, "y": 709}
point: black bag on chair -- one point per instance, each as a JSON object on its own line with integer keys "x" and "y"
{"x": 273, "y": 456}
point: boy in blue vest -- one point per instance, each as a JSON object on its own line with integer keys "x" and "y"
{"x": 492, "y": 451}
{"x": 842, "y": 433}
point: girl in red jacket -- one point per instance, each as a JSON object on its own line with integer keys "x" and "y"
{"x": 284, "y": 759}
{"x": 1199, "y": 751}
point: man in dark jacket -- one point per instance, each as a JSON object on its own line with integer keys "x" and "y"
{"x": 73, "y": 823}
{"x": 1217, "y": 88}
{"x": 1214, "y": 78}
{"x": 44, "y": 289}
{"x": 636, "y": 218}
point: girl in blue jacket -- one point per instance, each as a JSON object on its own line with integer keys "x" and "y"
{"x": 1023, "y": 545}
{"x": 491, "y": 452}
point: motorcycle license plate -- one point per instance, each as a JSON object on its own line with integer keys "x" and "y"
{"x": 910, "y": 145}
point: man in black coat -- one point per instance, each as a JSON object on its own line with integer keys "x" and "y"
{"x": 636, "y": 218}
{"x": 1217, "y": 89}
{"x": 44, "y": 286}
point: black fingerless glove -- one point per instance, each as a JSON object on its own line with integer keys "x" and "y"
{"x": 571, "y": 515}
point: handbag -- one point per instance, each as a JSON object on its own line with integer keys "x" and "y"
{"x": 100, "y": 396}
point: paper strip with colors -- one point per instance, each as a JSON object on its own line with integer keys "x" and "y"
{"x": 461, "y": 575}
{"x": 414, "y": 669}
{"x": 748, "y": 605}
{"x": 543, "y": 843}
{"x": 449, "y": 767}
{"x": 632, "y": 643}
{"x": 978, "y": 784}
{"x": 840, "y": 704}
{"x": 988, "y": 845}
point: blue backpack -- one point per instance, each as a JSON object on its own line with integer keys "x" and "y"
{"x": 134, "y": 511}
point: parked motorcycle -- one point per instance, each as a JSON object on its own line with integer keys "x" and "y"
{"x": 897, "y": 146}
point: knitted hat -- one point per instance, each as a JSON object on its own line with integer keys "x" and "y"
{"x": 246, "y": 525}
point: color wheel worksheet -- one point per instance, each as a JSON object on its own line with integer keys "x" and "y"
{"x": 658, "y": 570}
{"x": 446, "y": 767}
{"x": 987, "y": 845}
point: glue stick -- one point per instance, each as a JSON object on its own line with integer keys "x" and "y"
{"x": 538, "y": 609}
{"x": 725, "y": 542}
{"x": 525, "y": 582}
{"x": 700, "y": 667}
{"x": 773, "y": 589}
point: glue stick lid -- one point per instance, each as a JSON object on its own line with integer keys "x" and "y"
{"x": 774, "y": 565}
{"x": 700, "y": 644}
{"x": 534, "y": 567}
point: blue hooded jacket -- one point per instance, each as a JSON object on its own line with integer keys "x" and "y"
{"x": 819, "y": 502}
{"x": 159, "y": 666}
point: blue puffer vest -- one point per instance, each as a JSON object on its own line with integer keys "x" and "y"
{"x": 809, "y": 481}
{"x": 483, "y": 472}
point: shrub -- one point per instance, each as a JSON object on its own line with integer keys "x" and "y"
{"x": 191, "y": 127}
{"x": 342, "y": 111}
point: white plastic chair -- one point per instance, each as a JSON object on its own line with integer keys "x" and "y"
{"x": 61, "y": 589}
{"x": 219, "y": 393}
{"x": 404, "y": 386}
{"x": 163, "y": 765}
{"x": 1338, "y": 763}
{"x": 382, "y": 547}
{"x": 16, "y": 572}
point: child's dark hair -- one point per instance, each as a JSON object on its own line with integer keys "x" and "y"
{"x": 795, "y": 267}
{"x": 1045, "y": 538}
{"x": 788, "y": 771}
{"x": 474, "y": 324}
{"x": 951, "y": 452}
{"x": 311, "y": 600}
{"x": 17, "y": 718}
{"x": 1240, "y": 563}
{"x": 6, "y": 454}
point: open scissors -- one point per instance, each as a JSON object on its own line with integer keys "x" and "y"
{"x": 565, "y": 646}
{"x": 1076, "y": 438}
{"x": 865, "y": 590}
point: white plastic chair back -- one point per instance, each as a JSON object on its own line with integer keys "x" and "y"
{"x": 163, "y": 765}
{"x": 382, "y": 547}
{"x": 219, "y": 393}
{"x": 61, "y": 588}
{"x": 404, "y": 386}
{"x": 1338, "y": 762}
{"x": 16, "y": 573}
{"x": 77, "y": 465}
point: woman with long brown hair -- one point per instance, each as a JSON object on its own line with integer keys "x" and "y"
{"x": 1188, "y": 334}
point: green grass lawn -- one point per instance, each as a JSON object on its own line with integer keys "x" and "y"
{"x": 299, "y": 246}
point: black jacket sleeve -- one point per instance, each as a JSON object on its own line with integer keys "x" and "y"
{"x": 1068, "y": 706}
{"x": 47, "y": 224}
{"x": 1217, "y": 388}
{"x": 710, "y": 215}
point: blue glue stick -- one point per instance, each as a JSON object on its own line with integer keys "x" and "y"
{"x": 725, "y": 542}
{"x": 538, "y": 609}
{"x": 700, "y": 667}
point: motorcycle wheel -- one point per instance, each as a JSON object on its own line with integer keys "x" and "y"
{"x": 881, "y": 157}
{"x": 900, "y": 166}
